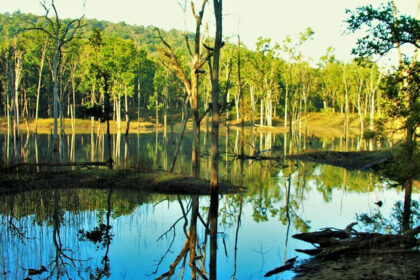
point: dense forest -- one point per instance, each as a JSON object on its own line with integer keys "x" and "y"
{"x": 274, "y": 80}
{"x": 83, "y": 72}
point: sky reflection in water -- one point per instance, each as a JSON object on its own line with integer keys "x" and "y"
{"x": 319, "y": 197}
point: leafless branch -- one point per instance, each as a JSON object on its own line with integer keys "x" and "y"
{"x": 184, "y": 215}
{"x": 164, "y": 255}
{"x": 204, "y": 114}
{"x": 170, "y": 228}
{"x": 172, "y": 267}
{"x": 187, "y": 41}
{"x": 169, "y": 53}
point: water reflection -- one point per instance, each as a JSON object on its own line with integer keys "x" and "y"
{"x": 154, "y": 150}
{"x": 117, "y": 234}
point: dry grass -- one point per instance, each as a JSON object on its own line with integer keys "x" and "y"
{"x": 318, "y": 125}
{"x": 46, "y": 126}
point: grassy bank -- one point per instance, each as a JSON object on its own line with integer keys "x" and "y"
{"x": 46, "y": 126}
{"x": 318, "y": 124}
{"x": 151, "y": 181}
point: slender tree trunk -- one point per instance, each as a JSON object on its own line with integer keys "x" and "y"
{"x": 192, "y": 235}
{"x": 213, "y": 215}
{"x": 227, "y": 102}
{"x": 214, "y": 178}
{"x": 360, "y": 112}
{"x": 138, "y": 104}
{"x": 165, "y": 111}
{"x": 118, "y": 111}
{"x": 251, "y": 92}
{"x": 240, "y": 93}
{"x": 178, "y": 145}
{"x": 346, "y": 107}
{"x": 56, "y": 86}
{"x": 38, "y": 90}
{"x": 408, "y": 187}
{"x": 156, "y": 110}
{"x": 18, "y": 72}
{"x": 127, "y": 116}
{"x": 73, "y": 107}
{"x": 196, "y": 127}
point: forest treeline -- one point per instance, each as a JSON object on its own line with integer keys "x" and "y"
{"x": 273, "y": 80}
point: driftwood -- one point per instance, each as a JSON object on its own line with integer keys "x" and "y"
{"x": 331, "y": 242}
{"x": 287, "y": 266}
{"x": 56, "y": 164}
{"x": 257, "y": 157}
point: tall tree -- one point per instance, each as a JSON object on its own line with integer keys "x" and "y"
{"x": 60, "y": 32}
{"x": 214, "y": 180}
{"x": 191, "y": 83}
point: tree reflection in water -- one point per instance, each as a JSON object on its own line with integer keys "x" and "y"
{"x": 102, "y": 235}
{"x": 279, "y": 202}
{"x": 192, "y": 244}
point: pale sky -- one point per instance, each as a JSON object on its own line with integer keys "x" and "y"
{"x": 274, "y": 19}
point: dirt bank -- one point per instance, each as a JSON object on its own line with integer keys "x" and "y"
{"x": 381, "y": 266}
{"x": 152, "y": 181}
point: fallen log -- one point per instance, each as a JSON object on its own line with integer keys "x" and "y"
{"x": 310, "y": 252}
{"x": 287, "y": 266}
{"x": 333, "y": 242}
{"x": 57, "y": 164}
{"x": 325, "y": 236}
{"x": 257, "y": 157}
{"x": 279, "y": 269}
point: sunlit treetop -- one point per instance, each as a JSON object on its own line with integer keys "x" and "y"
{"x": 385, "y": 29}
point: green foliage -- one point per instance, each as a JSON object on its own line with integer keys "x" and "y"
{"x": 96, "y": 111}
{"x": 383, "y": 29}
{"x": 378, "y": 223}
{"x": 405, "y": 164}
{"x": 369, "y": 134}
{"x": 98, "y": 235}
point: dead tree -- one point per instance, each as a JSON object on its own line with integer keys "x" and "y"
{"x": 191, "y": 83}
{"x": 60, "y": 33}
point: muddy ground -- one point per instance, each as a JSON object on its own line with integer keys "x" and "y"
{"x": 385, "y": 266}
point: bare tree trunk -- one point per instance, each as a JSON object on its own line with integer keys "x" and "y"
{"x": 92, "y": 103}
{"x": 118, "y": 111}
{"x": 178, "y": 145}
{"x": 126, "y": 105}
{"x": 213, "y": 215}
{"x": 18, "y": 78}
{"x": 214, "y": 180}
{"x": 251, "y": 91}
{"x": 408, "y": 186}
{"x": 193, "y": 235}
{"x": 73, "y": 106}
{"x": 346, "y": 108}
{"x": 38, "y": 90}
{"x": 191, "y": 84}
{"x": 165, "y": 111}
{"x": 57, "y": 53}
{"x": 138, "y": 104}
{"x": 156, "y": 110}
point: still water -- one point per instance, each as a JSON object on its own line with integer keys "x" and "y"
{"x": 121, "y": 234}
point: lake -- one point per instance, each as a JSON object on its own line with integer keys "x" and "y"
{"x": 124, "y": 234}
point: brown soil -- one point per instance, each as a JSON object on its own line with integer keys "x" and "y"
{"x": 152, "y": 181}
{"x": 381, "y": 266}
